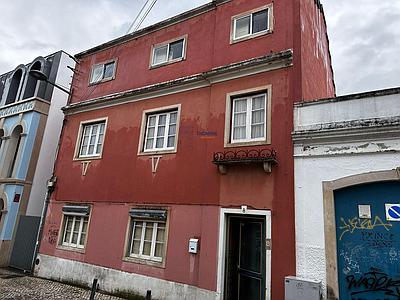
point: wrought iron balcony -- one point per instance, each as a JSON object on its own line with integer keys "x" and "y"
{"x": 265, "y": 157}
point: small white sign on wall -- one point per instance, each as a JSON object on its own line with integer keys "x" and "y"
{"x": 392, "y": 212}
{"x": 364, "y": 211}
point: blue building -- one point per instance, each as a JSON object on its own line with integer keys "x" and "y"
{"x": 30, "y": 124}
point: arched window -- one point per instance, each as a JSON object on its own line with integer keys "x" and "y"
{"x": 14, "y": 147}
{"x": 14, "y": 87}
{"x": 32, "y": 83}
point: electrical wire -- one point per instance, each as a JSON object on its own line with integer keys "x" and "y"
{"x": 137, "y": 17}
{"x": 145, "y": 15}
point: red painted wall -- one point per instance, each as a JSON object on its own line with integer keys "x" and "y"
{"x": 187, "y": 181}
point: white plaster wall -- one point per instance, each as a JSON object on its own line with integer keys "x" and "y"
{"x": 44, "y": 168}
{"x": 311, "y": 114}
{"x": 310, "y": 172}
{"x": 111, "y": 280}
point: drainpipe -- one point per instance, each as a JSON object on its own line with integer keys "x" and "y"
{"x": 51, "y": 184}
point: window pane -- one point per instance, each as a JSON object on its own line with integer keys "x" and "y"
{"x": 175, "y": 50}
{"x": 160, "y": 55}
{"x": 173, "y": 117}
{"x": 171, "y": 141}
{"x": 159, "y": 250}
{"x": 160, "y": 234}
{"x": 258, "y": 116}
{"x": 138, "y": 230}
{"x": 146, "y": 248}
{"x": 67, "y": 236}
{"x": 149, "y": 232}
{"x": 74, "y": 238}
{"x": 240, "y": 105}
{"x": 162, "y": 119}
{"x": 242, "y": 27}
{"x": 239, "y": 133}
{"x": 149, "y": 143}
{"x": 150, "y": 132}
{"x": 85, "y": 225}
{"x": 239, "y": 119}
{"x": 82, "y": 240}
{"x": 172, "y": 130}
{"x": 136, "y": 247}
{"x": 258, "y": 102}
{"x": 257, "y": 131}
{"x": 97, "y": 73}
{"x": 109, "y": 70}
{"x": 260, "y": 21}
{"x": 161, "y": 131}
{"x": 160, "y": 143}
{"x": 152, "y": 120}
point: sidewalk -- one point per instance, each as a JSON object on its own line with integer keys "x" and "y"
{"x": 16, "y": 285}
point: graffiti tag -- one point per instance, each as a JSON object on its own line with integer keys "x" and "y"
{"x": 373, "y": 282}
{"x": 355, "y": 223}
{"x": 52, "y": 236}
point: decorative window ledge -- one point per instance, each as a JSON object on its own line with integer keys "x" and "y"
{"x": 265, "y": 157}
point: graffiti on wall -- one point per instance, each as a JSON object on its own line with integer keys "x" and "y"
{"x": 356, "y": 224}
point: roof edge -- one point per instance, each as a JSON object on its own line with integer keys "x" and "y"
{"x": 155, "y": 27}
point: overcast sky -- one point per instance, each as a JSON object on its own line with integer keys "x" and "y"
{"x": 364, "y": 34}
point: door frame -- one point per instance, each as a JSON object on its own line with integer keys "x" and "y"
{"x": 329, "y": 188}
{"x": 223, "y": 223}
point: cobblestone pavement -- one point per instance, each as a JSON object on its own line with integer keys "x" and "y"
{"x": 14, "y": 285}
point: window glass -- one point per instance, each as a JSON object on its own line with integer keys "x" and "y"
{"x": 176, "y": 50}
{"x": 75, "y": 231}
{"x": 92, "y": 139}
{"x": 160, "y": 55}
{"x": 97, "y": 73}
{"x": 260, "y": 21}
{"x": 161, "y": 131}
{"x": 147, "y": 240}
{"x": 242, "y": 27}
{"x": 109, "y": 70}
{"x": 248, "y": 118}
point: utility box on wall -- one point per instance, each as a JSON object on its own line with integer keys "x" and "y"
{"x": 301, "y": 289}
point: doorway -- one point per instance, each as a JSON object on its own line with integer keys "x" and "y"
{"x": 245, "y": 258}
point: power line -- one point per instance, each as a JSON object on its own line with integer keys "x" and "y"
{"x": 149, "y": 8}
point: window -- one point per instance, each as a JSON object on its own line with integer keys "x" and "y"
{"x": 92, "y": 138}
{"x": 161, "y": 130}
{"x": 147, "y": 234}
{"x": 103, "y": 72}
{"x": 249, "y": 118}
{"x": 168, "y": 52}
{"x": 251, "y": 24}
{"x": 75, "y": 226}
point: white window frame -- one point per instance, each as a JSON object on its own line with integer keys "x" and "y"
{"x": 152, "y": 256}
{"x": 249, "y": 121}
{"x": 168, "y": 44}
{"x": 102, "y": 79}
{"x": 80, "y": 136}
{"x": 144, "y": 130}
{"x": 80, "y": 231}
{"x": 250, "y": 13}
{"x": 251, "y": 92}
{"x": 166, "y": 130}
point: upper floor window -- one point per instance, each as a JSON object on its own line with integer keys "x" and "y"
{"x": 248, "y": 122}
{"x": 103, "y": 72}
{"x": 251, "y": 24}
{"x": 160, "y": 129}
{"x": 169, "y": 52}
{"x": 91, "y": 139}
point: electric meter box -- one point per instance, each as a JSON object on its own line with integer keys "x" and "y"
{"x": 302, "y": 289}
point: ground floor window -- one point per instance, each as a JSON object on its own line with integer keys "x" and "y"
{"x": 75, "y": 226}
{"x": 147, "y": 234}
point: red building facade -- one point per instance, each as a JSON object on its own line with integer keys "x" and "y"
{"x": 175, "y": 170}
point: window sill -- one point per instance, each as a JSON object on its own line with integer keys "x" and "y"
{"x": 245, "y": 144}
{"x": 71, "y": 249}
{"x": 249, "y": 37}
{"x": 87, "y": 158}
{"x": 151, "y": 67}
{"x": 142, "y": 261}
{"x": 102, "y": 81}
{"x": 159, "y": 152}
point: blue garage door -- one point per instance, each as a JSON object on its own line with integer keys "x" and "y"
{"x": 368, "y": 241}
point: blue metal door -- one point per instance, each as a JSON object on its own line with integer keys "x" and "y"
{"x": 368, "y": 241}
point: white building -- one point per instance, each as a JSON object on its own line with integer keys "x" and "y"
{"x": 347, "y": 193}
